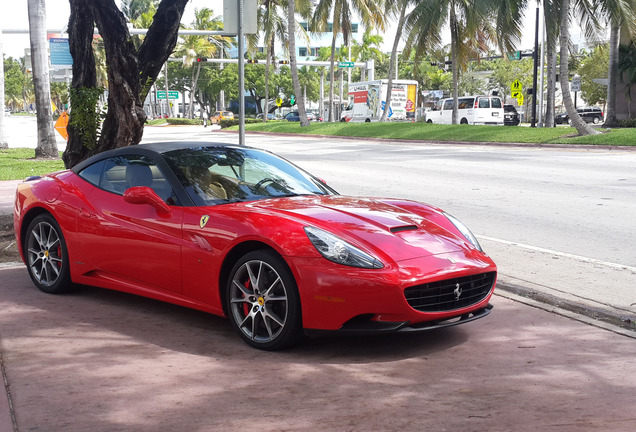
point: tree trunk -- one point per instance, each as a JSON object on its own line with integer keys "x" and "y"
{"x": 267, "y": 66}
{"x": 293, "y": 63}
{"x": 46, "y": 147}
{"x": 577, "y": 121}
{"x": 80, "y": 29}
{"x": 610, "y": 119}
{"x": 3, "y": 142}
{"x": 393, "y": 62}
{"x": 549, "y": 109}
{"x": 131, "y": 73}
{"x": 332, "y": 77}
{"x": 454, "y": 65}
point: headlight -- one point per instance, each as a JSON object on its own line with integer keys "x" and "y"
{"x": 339, "y": 251}
{"x": 465, "y": 231}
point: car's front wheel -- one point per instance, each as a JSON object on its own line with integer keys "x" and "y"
{"x": 596, "y": 120}
{"x": 47, "y": 256}
{"x": 262, "y": 301}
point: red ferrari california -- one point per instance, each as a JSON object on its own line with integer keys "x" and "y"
{"x": 242, "y": 233}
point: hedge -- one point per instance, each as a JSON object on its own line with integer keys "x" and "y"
{"x": 184, "y": 121}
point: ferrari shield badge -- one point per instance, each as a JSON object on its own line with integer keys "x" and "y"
{"x": 204, "y": 220}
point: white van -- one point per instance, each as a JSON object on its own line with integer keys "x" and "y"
{"x": 482, "y": 110}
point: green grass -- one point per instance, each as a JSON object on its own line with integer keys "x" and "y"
{"x": 18, "y": 164}
{"x": 436, "y": 132}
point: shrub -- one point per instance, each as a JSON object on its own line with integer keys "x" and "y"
{"x": 627, "y": 123}
{"x": 184, "y": 121}
{"x": 235, "y": 122}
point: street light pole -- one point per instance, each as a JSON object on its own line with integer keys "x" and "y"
{"x": 535, "y": 67}
{"x": 241, "y": 65}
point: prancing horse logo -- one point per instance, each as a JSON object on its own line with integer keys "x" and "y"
{"x": 204, "y": 220}
{"x": 457, "y": 291}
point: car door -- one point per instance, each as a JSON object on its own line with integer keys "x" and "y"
{"x": 132, "y": 243}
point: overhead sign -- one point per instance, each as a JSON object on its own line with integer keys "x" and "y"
{"x": 60, "y": 53}
{"x": 161, "y": 94}
{"x": 346, "y": 64}
{"x": 516, "y": 86}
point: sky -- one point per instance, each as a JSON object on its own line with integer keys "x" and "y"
{"x": 15, "y": 17}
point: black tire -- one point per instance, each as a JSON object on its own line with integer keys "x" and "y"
{"x": 47, "y": 256}
{"x": 342, "y": 120}
{"x": 463, "y": 121}
{"x": 429, "y": 121}
{"x": 262, "y": 301}
{"x": 596, "y": 120}
{"x": 367, "y": 121}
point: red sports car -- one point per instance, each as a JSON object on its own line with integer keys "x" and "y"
{"x": 242, "y": 233}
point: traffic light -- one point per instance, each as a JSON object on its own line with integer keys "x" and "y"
{"x": 283, "y": 61}
{"x": 202, "y": 59}
{"x": 252, "y": 61}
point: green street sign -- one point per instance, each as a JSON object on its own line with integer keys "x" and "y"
{"x": 515, "y": 56}
{"x": 345, "y": 64}
{"x": 161, "y": 94}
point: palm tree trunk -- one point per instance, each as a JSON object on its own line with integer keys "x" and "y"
{"x": 267, "y": 66}
{"x": 332, "y": 77}
{"x": 46, "y": 147}
{"x": 610, "y": 119}
{"x": 454, "y": 65}
{"x": 577, "y": 121}
{"x": 549, "y": 109}
{"x": 3, "y": 142}
{"x": 293, "y": 63}
{"x": 392, "y": 64}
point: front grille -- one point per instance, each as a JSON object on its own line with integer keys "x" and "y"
{"x": 450, "y": 294}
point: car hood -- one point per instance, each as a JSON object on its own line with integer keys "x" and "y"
{"x": 398, "y": 229}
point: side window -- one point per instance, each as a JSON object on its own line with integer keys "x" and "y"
{"x": 495, "y": 102}
{"x": 117, "y": 174}
{"x": 484, "y": 103}
{"x": 448, "y": 104}
{"x": 465, "y": 103}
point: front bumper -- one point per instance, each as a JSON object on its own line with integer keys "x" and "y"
{"x": 347, "y": 299}
{"x": 361, "y": 328}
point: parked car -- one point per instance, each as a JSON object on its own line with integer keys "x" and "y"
{"x": 482, "y": 110}
{"x": 295, "y": 116}
{"x": 511, "y": 116}
{"x": 270, "y": 116}
{"x": 589, "y": 114}
{"x": 221, "y": 115}
{"x": 242, "y": 233}
{"x": 7, "y": 113}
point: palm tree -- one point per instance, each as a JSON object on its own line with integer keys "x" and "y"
{"x": 581, "y": 126}
{"x": 470, "y": 27}
{"x": 367, "y": 49}
{"x": 46, "y": 147}
{"x": 371, "y": 14}
{"x": 291, "y": 29}
{"x": 627, "y": 71}
{"x": 273, "y": 22}
{"x": 401, "y": 5}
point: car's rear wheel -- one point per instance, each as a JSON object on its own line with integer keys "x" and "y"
{"x": 596, "y": 120}
{"x": 46, "y": 255}
{"x": 262, "y": 301}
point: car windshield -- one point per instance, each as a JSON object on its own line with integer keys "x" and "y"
{"x": 217, "y": 175}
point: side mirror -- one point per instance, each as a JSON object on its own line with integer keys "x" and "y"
{"x": 145, "y": 195}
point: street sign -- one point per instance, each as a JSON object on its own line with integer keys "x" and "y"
{"x": 60, "y": 125}
{"x": 516, "y": 86}
{"x": 520, "y": 99}
{"x": 576, "y": 83}
{"x": 516, "y": 94}
{"x": 345, "y": 64}
{"x": 292, "y": 100}
{"x": 279, "y": 101}
{"x": 161, "y": 94}
{"x": 60, "y": 53}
